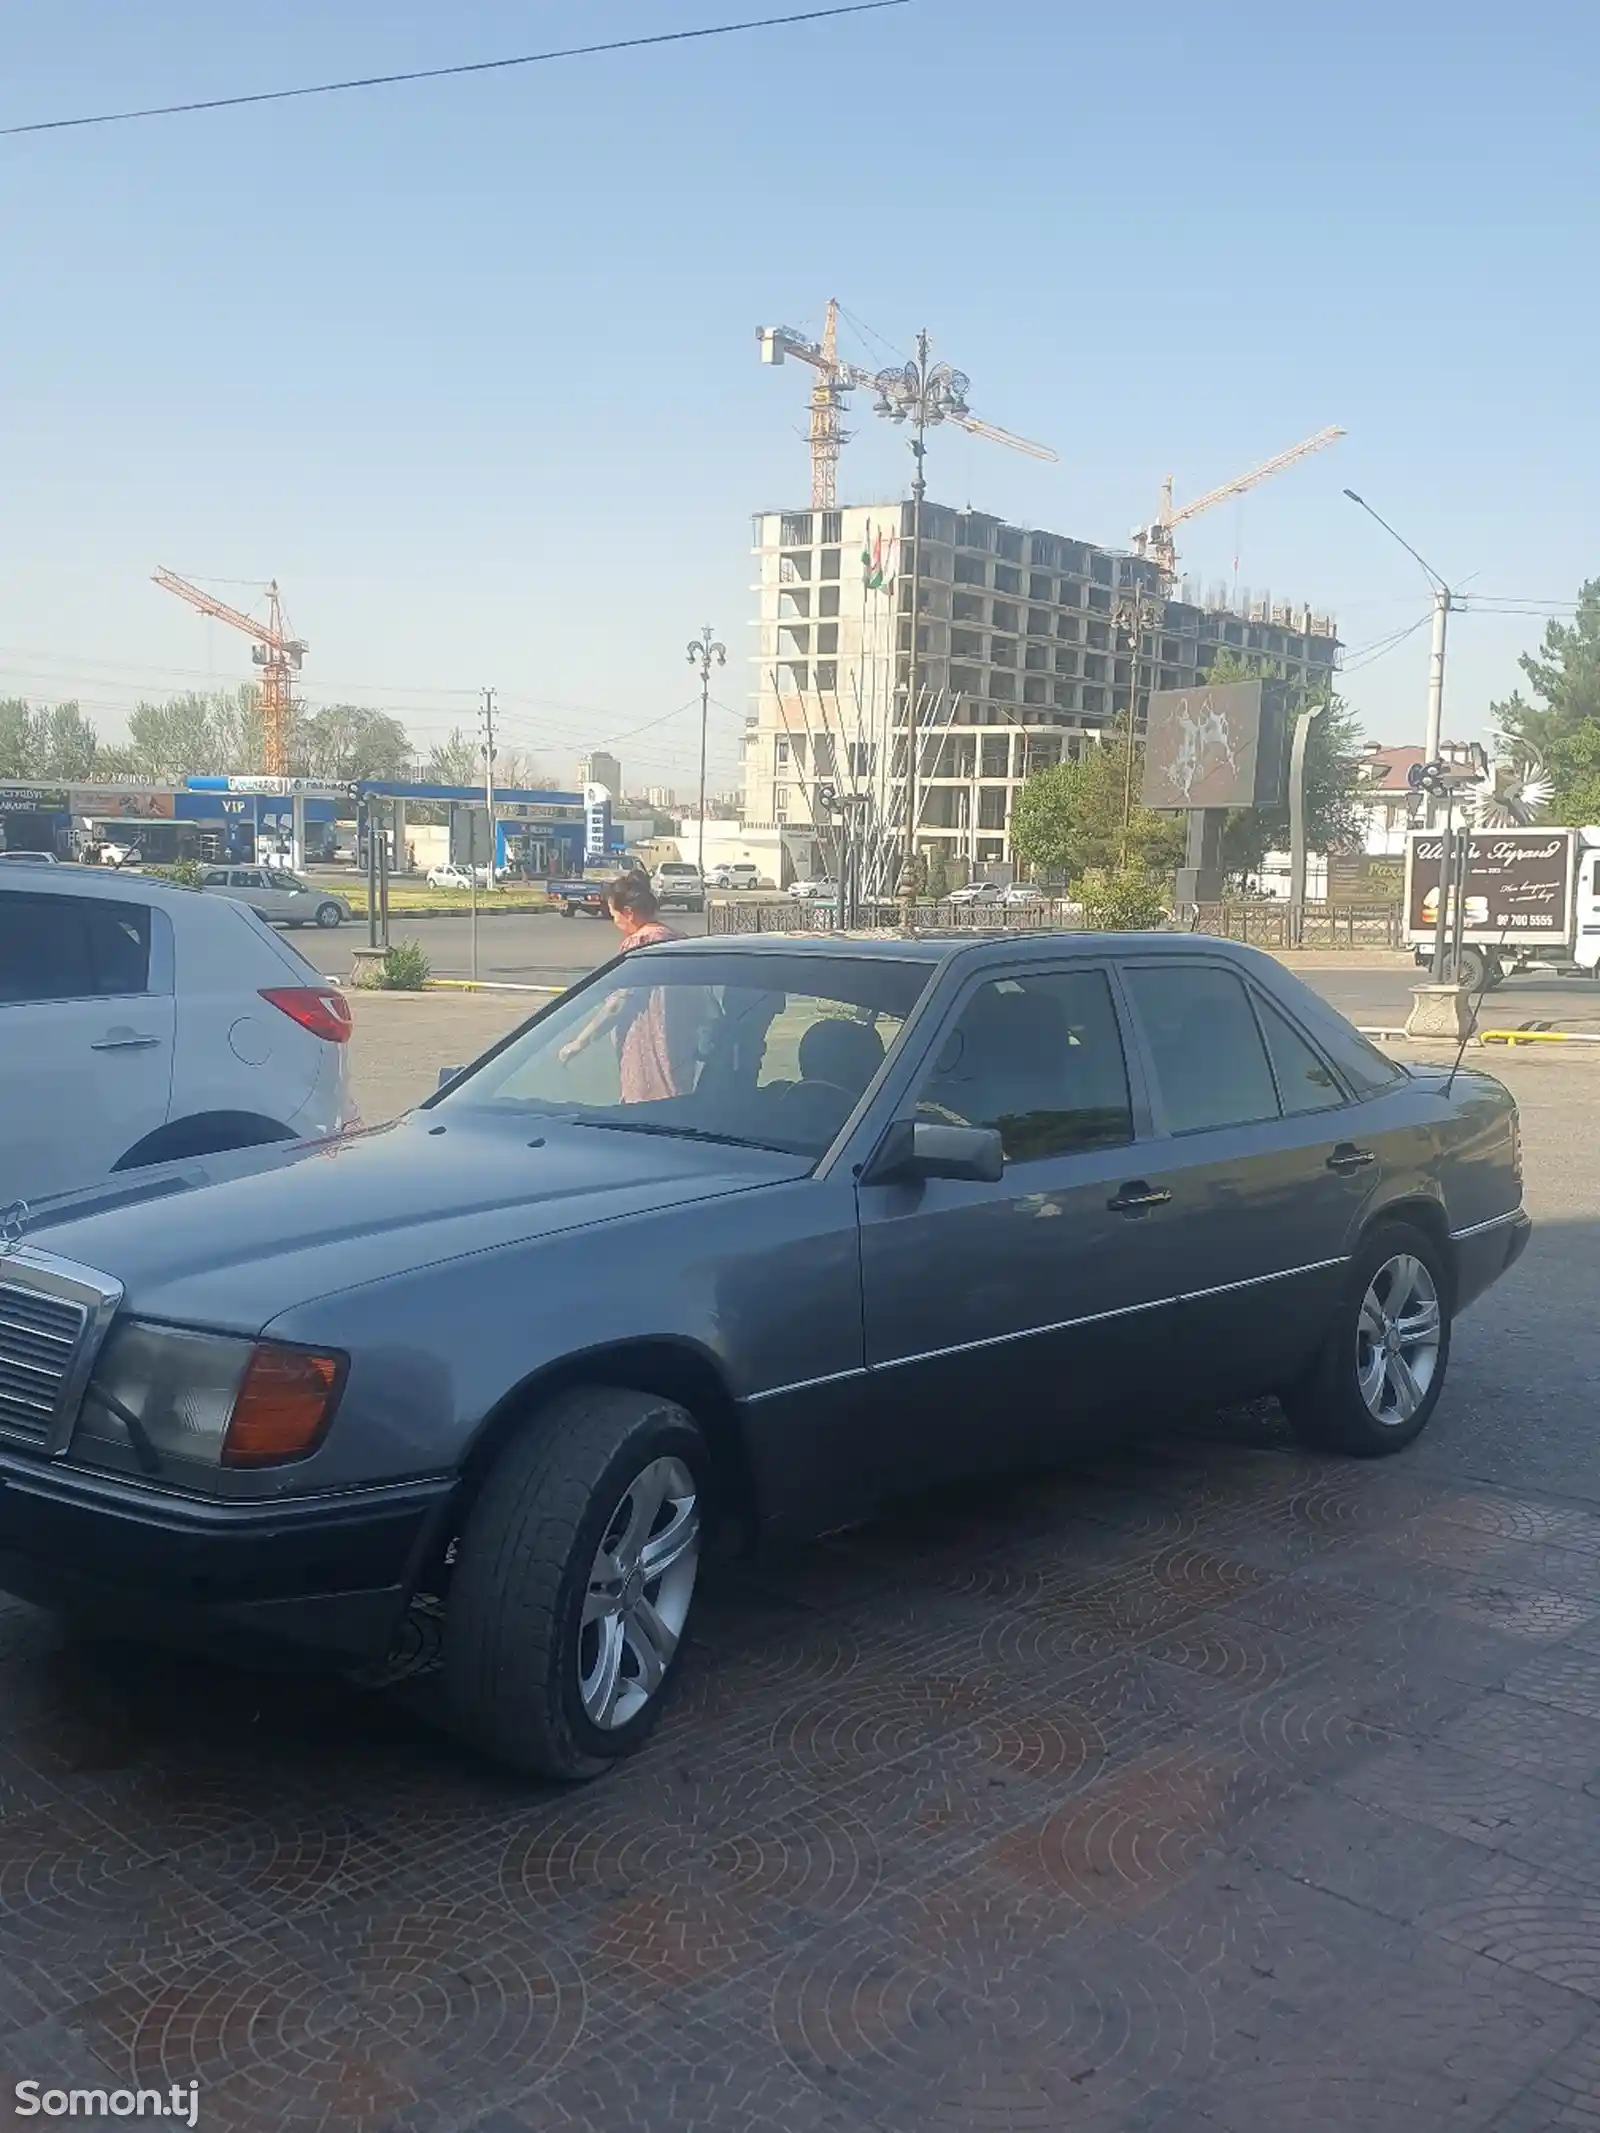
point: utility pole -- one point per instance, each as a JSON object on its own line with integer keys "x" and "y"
{"x": 704, "y": 650}
{"x": 1443, "y": 601}
{"x": 1441, "y": 617}
{"x": 488, "y": 777}
{"x": 924, "y": 395}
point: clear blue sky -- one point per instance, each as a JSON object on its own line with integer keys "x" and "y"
{"x": 471, "y": 365}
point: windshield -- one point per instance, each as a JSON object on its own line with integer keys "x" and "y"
{"x": 761, "y": 1051}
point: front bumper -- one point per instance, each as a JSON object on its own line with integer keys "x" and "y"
{"x": 327, "y": 1575}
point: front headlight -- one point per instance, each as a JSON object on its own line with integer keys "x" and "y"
{"x": 205, "y": 1399}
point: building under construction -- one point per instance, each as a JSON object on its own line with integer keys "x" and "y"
{"x": 1026, "y": 654}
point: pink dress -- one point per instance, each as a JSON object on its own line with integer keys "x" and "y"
{"x": 655, "y": 1037}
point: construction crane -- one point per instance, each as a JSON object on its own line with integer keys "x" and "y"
{"x": 275, "y": 652}
{"x": 835, "y": 377}
{"x": 1155, "y": 540}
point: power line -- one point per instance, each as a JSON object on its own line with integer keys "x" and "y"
{"x": 475, "y": 66}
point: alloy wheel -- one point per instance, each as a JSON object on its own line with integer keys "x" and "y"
{"x": 1398, "y": 1335}
{"x": 637, "y": 1600}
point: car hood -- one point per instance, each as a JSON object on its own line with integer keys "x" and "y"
{"x": 234, "y": 1241}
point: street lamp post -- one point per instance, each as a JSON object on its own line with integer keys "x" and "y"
{"x": 922, "y": 394}
{"x": 1442, "y": 603}
{"x": 704, "y": 651}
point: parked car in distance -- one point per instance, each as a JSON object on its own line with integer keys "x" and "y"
{"x": 279, "y": 896}
{"x": 811, "y": 892}
{"x": 587, "y": 897}
{"x": 31, "y": 859}
{"x": 140, "y": 1023}
{"x": 451, "y": 876}
{"x": 976, "y": 892}
{"x": 520, "y": 1350}
{"x": 1022, "y": 896}
{"x": 677, "y": 881}
{"x": 735, "y": 874}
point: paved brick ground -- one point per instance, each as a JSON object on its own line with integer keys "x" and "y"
{"x": 1203, "y": 1785}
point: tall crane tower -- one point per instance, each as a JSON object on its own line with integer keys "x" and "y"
{"x": 834, "y": 379}
{"x": 278, "y": 655}
{"x": 1155, "y": 540}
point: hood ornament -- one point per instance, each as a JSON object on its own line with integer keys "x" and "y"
{"x": 13, "y": 1226}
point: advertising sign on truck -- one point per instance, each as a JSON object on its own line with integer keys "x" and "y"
{"x": 1519, "y": 885}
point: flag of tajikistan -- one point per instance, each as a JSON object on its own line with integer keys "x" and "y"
{"x": 877, "y": 560}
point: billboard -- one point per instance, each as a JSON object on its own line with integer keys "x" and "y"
{"x": 1519, "y": 882}
{"x": 1225, "y": 746}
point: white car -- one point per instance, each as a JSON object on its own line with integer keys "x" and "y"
{"x": 450, "y": 876}
{"x": 977, "y": 892}
{"x": 31, "y": 859}
{"x": 1022, "y": 896}
{"x": 810, "y": 892}
{"x": 677, "y": 881}
{"x": 735, "y": 874}
{"x": 141, "y": 1023}
{"x": 278, "y": 895}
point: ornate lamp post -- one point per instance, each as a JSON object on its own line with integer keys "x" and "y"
{"x": 704, "y": 650}
{"x": 923, "y": 394}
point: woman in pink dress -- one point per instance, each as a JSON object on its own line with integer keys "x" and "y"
{"x": 655, "y": 1044}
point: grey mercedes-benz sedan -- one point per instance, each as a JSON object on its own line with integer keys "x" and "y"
{"x": 752, "y": 1232}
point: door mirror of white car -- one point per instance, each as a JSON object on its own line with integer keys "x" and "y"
{"x": 446, "y": 1076}
{"x": 915, "y": 1148}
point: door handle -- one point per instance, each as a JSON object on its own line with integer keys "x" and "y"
{"x": 123, "y": 1040}
{"x": 1348, "y": 1157}
{"x": 1134, "y": 1197}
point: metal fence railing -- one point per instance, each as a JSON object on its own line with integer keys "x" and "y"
{"x": 743, "y": 916}
{"x": 1264, "y": 922}
{"x": 1267, "y": 922}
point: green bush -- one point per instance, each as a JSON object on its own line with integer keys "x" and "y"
{"x": 1122, "y": 900}
{"x": 184, "y": 873}
{"x": 404, "y": 968}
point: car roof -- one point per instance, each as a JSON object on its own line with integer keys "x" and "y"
{"x": 114, "y": 887}
{"x": 1014, "y": 944}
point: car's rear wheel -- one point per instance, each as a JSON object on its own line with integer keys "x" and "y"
{"x": 573, "y": 1583}
{"x": 329, "y": 914}
{"x": 1375, "y": 1382}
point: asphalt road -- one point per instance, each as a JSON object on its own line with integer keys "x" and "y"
{"x": 537, "y": 948}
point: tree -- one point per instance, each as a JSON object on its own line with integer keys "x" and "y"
{"x": 1564, "y": 677}
{"x": 1123, "y": 900}
{"x": 1334, "y": 792}
{"x": 1069, "y": 818}
{"x": 346, "y": 741}
{"x": 16, "y": 738}
{"x": 455, "y": 761}
{"x": 175, "y": 738}
{"x": 1574, "y": 768}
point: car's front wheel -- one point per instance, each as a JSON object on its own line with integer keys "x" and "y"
{"x": 1377, "y": 1379}
{"x": 329, "y": 914}
{"x": 573, "y": 1583}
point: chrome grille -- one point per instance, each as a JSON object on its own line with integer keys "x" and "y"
{"x": 38, "y": 1338}
{"x": 53, "y": 1316}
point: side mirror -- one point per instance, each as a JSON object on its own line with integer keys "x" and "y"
{"x": 446, "y": 1076}
{"x": 917, "y": 1148}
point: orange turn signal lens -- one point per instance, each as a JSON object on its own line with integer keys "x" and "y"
{"x": 285, "y": 1397}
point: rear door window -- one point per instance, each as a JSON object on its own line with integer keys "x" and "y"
{"x": 1305, "y": 1080}
{"x": 73, "y": 948}
{"x": 1211, "y": 1066}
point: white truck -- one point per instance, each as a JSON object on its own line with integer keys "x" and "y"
{"x": 1531, "y": 901}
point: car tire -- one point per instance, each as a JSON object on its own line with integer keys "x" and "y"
{"x": 1351, "y": 1397}
{"x": 540, "y": 1671}
{"x": 329, "y": 915}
